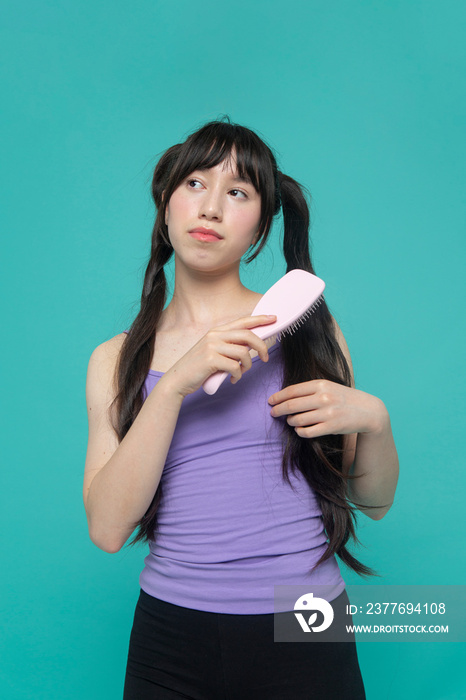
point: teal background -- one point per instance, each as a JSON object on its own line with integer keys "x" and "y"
{"x": 364, "y": 103}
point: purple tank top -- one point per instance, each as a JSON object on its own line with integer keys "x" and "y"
{"x": 229, "y": 527}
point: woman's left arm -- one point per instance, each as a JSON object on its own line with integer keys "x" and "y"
{"x": 320, "y": 407}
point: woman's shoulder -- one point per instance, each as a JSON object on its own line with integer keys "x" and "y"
{"x": 340, "y": 338}
{"x": 100, "y": 380}
{"x": 338, "y": 332}
{"x": 108, "y": 352}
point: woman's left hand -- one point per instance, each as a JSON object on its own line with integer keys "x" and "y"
{"x": 321, "y": 407}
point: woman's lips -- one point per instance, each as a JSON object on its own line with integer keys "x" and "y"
{"x": 205, "y": 234}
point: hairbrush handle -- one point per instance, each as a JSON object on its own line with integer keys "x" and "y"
{"x": 295, "y": 296}
{"x": 211, "y": 384}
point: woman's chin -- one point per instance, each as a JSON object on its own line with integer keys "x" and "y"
{"x": 205, "y": 263}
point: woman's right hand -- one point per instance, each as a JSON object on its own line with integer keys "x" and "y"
{"x": 225, "y": 348}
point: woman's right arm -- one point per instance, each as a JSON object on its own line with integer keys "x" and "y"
{"x": 120, "y": 479}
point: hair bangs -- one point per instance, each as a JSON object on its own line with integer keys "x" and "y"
{"x": 220, "y": 142}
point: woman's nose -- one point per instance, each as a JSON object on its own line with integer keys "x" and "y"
{"x": 211, "y": 206}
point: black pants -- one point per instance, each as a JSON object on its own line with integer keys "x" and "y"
{"x": 176, "y": 652}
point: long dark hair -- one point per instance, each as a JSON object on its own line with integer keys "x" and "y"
{"x": 312, "y": 352}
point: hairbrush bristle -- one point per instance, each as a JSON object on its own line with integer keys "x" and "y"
{"x": 302, "y": 319}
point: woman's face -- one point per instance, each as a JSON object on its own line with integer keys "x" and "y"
{"x": 213, "y": 218}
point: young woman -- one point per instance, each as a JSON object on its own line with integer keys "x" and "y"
{"x": 250, "y": 488}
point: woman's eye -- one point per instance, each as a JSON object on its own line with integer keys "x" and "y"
{"x": 243, "y": 194}
{"x": 238, "y": 194}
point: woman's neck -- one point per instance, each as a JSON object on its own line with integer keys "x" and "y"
{"x": 201, "y": 302}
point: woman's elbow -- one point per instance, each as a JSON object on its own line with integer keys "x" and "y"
{"x": 110, "y": 542}
{"x": 377, "y": 513}
{"x": 111, "y": 547}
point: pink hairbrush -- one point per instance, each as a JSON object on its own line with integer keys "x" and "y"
{"x": 292, "y": 300}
